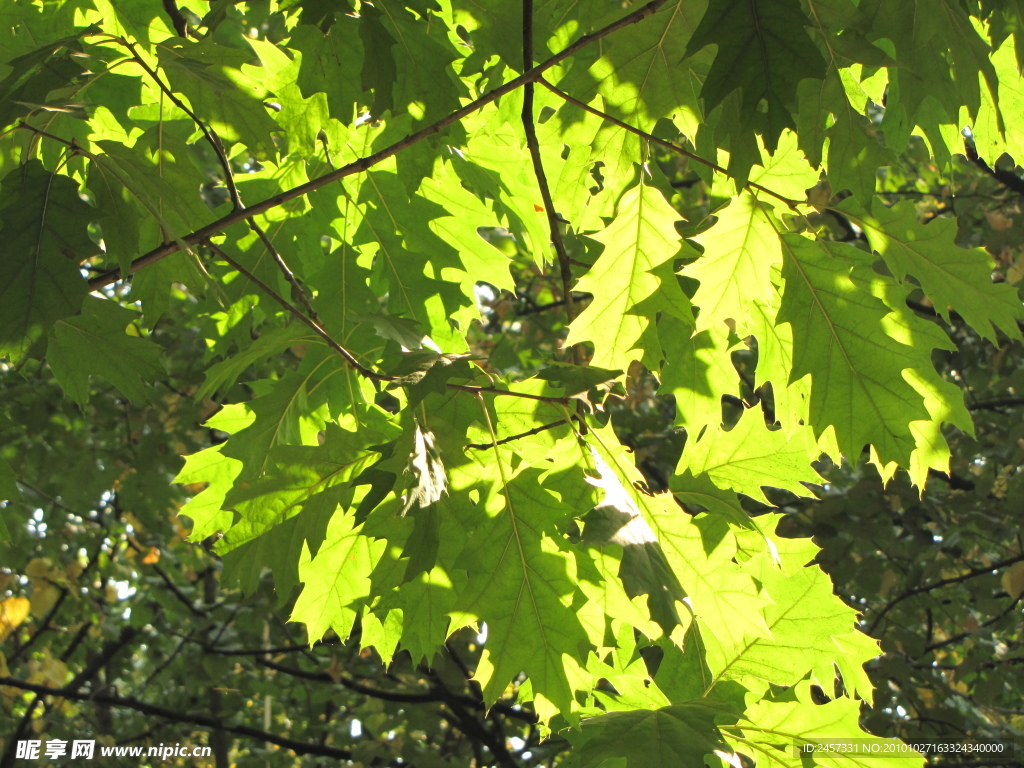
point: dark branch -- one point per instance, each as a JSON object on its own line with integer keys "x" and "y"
{"x": 536, "y": 308}
{"x": 206, "y": 721}
{"x": 1008, "y": 179}
{"x": 967, "y": 575}
{"x": 663, "y": 143}
{"x": 512, "y": 438}
{"x": 352, "y": 685}
{"x": 364, "y": 163}
{"x": 995, "y": 403}
{"x": 291, "y": 308}
{"x": 554, "y": 222}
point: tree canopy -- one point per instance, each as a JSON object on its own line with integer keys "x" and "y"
{"x": 427, "y": 382}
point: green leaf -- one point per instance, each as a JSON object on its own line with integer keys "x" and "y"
{"x": 638, "y": 74}
{"x": 34, "y": 76}
{"x": 521, "y": 584}
{"x": 739, "y": 253}
{"x": 749, "y": 457}
{"x": 802, "y": 617}
{"x": 43, "y": 223}
{"x": 855, "y": 155}
{"x": 632, "y": 280}
{"x": 211, "y": 77}
{"x": 951, "y": 276}
{"x": 777, "y": 725}
{"x": 680, "y": 734}
{"x": 697, "y": 373}
{"x": 94, "y": 344}
{"x": 763, "y": 49}
{"x": 336, "y": 581}
{"x": 855, "y": 367}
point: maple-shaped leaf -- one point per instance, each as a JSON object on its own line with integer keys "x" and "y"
{"x": 300, "y": 117}
{"x": 676, "y": 735}
{"x": 699, "y": 491}
{"x": 735, "y": 269}
{"x": 763, "y": 48}
{"x": 230, "y": 101}
{"x": 616, "y": 519}
{"x": 289, "y": 411}
{"x": 336, "y": 581}
{"x": 206, "y": 508}
{"x": 43, "y": 225}
{"x": 94, "y": 343}
{"x": 34, "y": 76}
{"x": 951, "y": 276}
{"x": 749, "y": 457}
{"x": 521, "y": 583}
{"x": 698, "y": 372}
{"x": 993, "y": 134}
{"x": 640, "y": 74}
{"x": 855, "y": 154}
{"x": 803, "y": 617}
{"x": 426, "y": 602}
{"x": 306, "y": 479}
{"x": 327, "y": 62}
{"x": 633, "y": 280}
{"x": 856, "y": 368}
{"x": 778, "y": 725}
{"x": 785, "y": 171}
{"x": 410, "y": 61}
{"x": 727, "y": 602}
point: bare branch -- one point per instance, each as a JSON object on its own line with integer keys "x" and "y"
{"x": 972, "y": 573}
{"x": 206, "y": 721}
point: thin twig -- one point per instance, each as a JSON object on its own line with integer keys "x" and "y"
{"x": 349, "y": 357}
{"x": 313, "y": 324}
{"x": 942, "y": 583}
{"x": 362, "y": 164}
{"x": 213, "y": 139}
{"x": 554, "y": 222}
{"x": 206, "y": 721}
{"x": 208, "y": 133}
{"x": 663, "y": 143}
{"x": 513, "y": 438}
{"x": 995, "y": 403}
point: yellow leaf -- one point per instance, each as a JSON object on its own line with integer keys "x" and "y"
{"x": 1013, "y": 580}
{"x": 13, "y": 611}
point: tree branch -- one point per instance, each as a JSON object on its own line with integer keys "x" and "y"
{"x": 995, "y": 403}
{"x": 554, "y": 223}
{"x": 352, "y": 685}
{"x": 291, "y": 308}
{"x": 299, "y": 747}
{"x": 364, "y": 163}
{"x": 349, "y": 357}
{"x": 663, "y": 143}
{"x": 941, "y": 583}
{"x": 513, "y": 438}
{"x": 1008, "y": 179}
{"x": 213, "y": 139}
{"x": 537, "y": 308}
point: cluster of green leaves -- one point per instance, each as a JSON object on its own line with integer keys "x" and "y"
{"x": 332, "y": 197}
